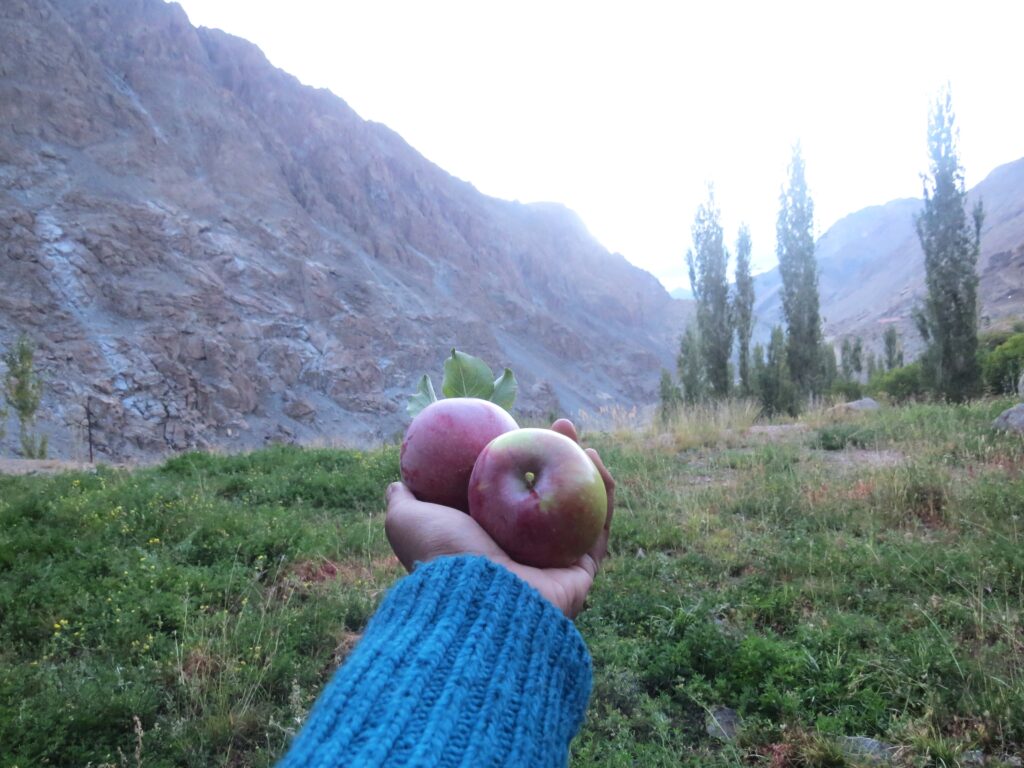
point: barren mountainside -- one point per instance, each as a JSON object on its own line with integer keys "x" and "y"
{"x": 208, "y": 252}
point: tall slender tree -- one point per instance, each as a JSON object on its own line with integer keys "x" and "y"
{"x": 846, "y": 359}
{"x": 690, "y": 366}
{"x": 23, "y": 389}
{"x": 857, "y": 356}
{"x": 893, "y": 350}
{"x": 774, "y": 386}
{"x": 743, "y": 306}
{"x": 707, "y": 262}
{"x": 951, "y": 241}
{"x": 799, "y": 270}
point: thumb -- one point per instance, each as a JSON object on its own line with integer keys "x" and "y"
{"x": 397, "y": 493}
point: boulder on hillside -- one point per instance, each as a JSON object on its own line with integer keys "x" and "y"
{"x": 1011, "y": 420}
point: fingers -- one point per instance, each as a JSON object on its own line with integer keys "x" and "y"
{"x": 567, "y": 428}
{"x": 599, "y": 551}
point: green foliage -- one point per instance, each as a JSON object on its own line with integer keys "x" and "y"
{"x": 989, "y": 340}
{"x": 707, "y": 263}
{"x": 837, "y": 437}
{"x": 208, "y": 598}
{"x": 846, "y": 389}
{"x": 901, "y": 384}
{"x": 670, "y": 397}
{"x": 1004, "y": 365}
{"x": 799, "y": 270}
{"x": 845, "y": 362}
{"x": 743, "y": 306}
{"x": 775, "y": 389}
{"x": 212, "y": 598}
{"x": 893, "y": 349}
{"x": 23, "y": 391}
{"x": 466, "y": 376}
{"x": 873, "y": 366}
{"x": 690, "y": 365}
{"x": 948, "y": 319}
{"x": 857, "y": 356}
{"x": 818, "y": 603}
{"x": 828, "y": 371}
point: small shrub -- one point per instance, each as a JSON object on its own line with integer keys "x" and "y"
{"x": 901, "y": 384}
{"x": 836, "y": 437}
{"x": 1003, "y": 366}
{"x": 847, "y": 389}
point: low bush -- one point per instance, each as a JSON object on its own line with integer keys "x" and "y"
{"x": 1003, "y": 366}
{"x": 901, "y": 385}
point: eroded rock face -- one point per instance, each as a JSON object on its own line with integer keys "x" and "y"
{"x": 207, "y": 252}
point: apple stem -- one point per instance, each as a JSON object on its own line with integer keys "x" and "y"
{"x": 530, "y": 479}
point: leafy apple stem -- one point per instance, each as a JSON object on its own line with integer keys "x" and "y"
{"x": 467, "y": 376}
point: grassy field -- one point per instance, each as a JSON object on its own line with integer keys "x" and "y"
{"x": 831, "y": 578}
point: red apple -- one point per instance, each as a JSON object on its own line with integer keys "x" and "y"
{"x": 539, "y": 496}
{"x": 441, "y": 446}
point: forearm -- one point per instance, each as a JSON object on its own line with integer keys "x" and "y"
{"x": 463, "y": 664}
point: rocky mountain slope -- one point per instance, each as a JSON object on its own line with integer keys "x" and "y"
{"x": 871, "y": 267}
{"x": 208, "y": 252}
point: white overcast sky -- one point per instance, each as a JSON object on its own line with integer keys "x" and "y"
{"x": 624, "y": 111}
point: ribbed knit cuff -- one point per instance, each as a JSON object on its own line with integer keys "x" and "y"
{"x": 464, "y": 664}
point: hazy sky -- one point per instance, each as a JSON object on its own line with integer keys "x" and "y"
{"x": 624, "y": 111}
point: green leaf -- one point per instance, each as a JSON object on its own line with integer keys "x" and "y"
{"x": 466, "y": 376}
{"x": 505, "y": 389}
{"x": 424, "y": 396}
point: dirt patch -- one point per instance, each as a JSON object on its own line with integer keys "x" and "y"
{"x": 775, "y": 433}
{"x": 43, "y": 466}
{"x": 863, "y": 458}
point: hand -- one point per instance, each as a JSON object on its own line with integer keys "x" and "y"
{"x": 419, "y": 532}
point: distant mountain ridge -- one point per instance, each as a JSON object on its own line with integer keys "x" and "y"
{"x": 871, "y": 267}
{"x": 209, "y": 253}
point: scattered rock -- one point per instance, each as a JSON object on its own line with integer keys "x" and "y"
{"x": 867, "y": 749}
{"x": 1013, "y": 761}
{"x": 722, "y": 723}
{"x": 299, "y": 409}
{"x": 972, "y": 757}
{"x": 1011, "y": 420}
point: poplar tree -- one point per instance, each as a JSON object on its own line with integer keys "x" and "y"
{"x": 23, "y": 389}
{"x": 707, "y": 262}
{"x": 671, "y": 397}
{"x": 743, "y": 306}
{"x": 893, "y": 351}
{"x": 690, "y": 365}
{"x": 774, "y": 386}
{"x": 951, "y": 241}
{"x": 857, "y": 356}
{"x": 846, "y": 359}
{"x": 799, "y": 271}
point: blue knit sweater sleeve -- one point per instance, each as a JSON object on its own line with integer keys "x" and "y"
{"x": 463, "y": 664}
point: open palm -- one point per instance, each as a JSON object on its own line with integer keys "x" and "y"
{"x": 420, "y": 531}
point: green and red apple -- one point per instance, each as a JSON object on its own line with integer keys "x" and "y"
{"x": 539, "y": 496}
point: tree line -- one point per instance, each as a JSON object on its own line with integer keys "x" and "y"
{"x": 798, "y": 363}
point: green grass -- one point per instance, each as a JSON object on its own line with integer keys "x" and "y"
{"x": 192, "y": 612}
